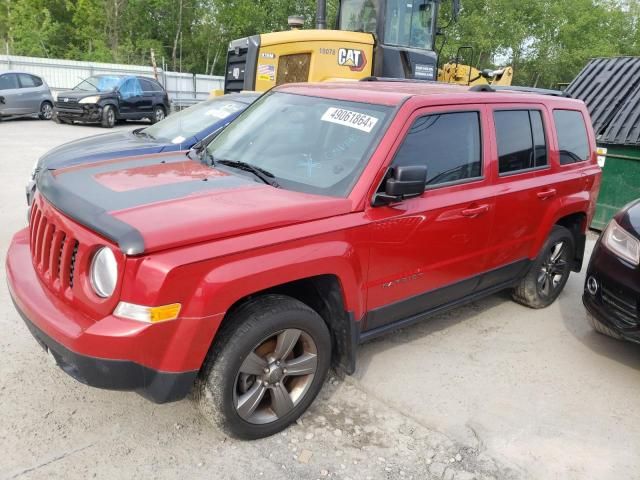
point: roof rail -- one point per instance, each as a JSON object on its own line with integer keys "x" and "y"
{"x": 398, "y": 80}
{"x": 540, "y": 91}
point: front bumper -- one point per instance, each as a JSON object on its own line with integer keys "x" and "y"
{"x": 90, "y": 112}
{"x": 615, "y": 301}
{"x": 107, "y": 353}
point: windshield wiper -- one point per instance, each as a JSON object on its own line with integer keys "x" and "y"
{"x": 264, "y": 175}
{"x": 139, "y": 132}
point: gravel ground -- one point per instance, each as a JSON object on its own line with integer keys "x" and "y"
{"x": 491, "y": 391}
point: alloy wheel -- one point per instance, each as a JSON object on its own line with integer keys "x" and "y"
{"x": 46, "y": 111}
{"x": 159, "y": 114}
{"x": 275, "y": 376}
{"x": 553, "y": 270}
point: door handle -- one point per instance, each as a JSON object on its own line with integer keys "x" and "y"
{"x": 546, "y": 194}
{"x": 475, "y": 211}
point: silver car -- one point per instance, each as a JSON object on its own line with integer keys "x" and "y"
{"x": 24, "y": 94}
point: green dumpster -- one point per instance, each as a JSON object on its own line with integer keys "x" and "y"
{"x": 620, "y": 182}
{"x": 611, "y": 89}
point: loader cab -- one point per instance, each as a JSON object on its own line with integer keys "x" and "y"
{"x": 405, "y": 33}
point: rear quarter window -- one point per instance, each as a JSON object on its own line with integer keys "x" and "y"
{"x": 573, "y": 141}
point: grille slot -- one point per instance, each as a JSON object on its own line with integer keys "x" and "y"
{"x": 624, "y": 307}
{"x": 72, "y": 266}
{"x": 53, "y": 251}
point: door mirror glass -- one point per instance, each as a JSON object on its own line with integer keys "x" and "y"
{"x": 403, "y": 182}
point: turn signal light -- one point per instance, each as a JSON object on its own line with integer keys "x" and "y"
{"x": 142, "y": 313}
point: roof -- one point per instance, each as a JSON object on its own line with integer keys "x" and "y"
{"x": 393, "y": 93}
{"x": 611, "y": 89}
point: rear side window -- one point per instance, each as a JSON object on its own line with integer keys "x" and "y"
{"x": 149, "y": 86}
{"x": 572, "y": 136}
{"x": 521, "y": 140}
{"x": 27, "y": 81}
{"x": 447, "y": 143}
{"x": 8, "y": 81}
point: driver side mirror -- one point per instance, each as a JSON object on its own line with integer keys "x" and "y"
{"x": 404, "y": 182}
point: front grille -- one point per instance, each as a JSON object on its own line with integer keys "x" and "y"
{"x": 236, "y": 68}
{"x": 622, "y": 305}
{"x": 293, "y": 68}
{"x": 53, "y": 250}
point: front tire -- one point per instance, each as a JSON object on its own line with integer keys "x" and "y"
{"x": 46, "y": 111}
{"x": 158, "y": 114}
{"x": 267, "y": 365}
{"x": 108, "y": 116}
{"x": 549, "y": 272}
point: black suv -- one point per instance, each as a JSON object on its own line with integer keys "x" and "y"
{"x": 105, "y": 99}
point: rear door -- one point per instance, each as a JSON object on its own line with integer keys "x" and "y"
{"x": 524, "y": 196}
{"x": 148, "y": 96}
{"x": 31, "y": 92}
{"x": 10, "y": 95}
{"x": 130, "y": 96}
{"x": 430, "y": 250}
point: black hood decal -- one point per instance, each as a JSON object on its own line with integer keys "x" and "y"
{"x": 78, "y": 194}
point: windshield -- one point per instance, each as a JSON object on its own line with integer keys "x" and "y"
{"x": 409, "y": 23}
{"x": 187, "y": 123}
{"x": 102, "y": 83}
{"x": 274, "y": 134}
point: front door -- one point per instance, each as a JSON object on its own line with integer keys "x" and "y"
{"x": 10, "y": 95}
{"x": 430, "y": 251}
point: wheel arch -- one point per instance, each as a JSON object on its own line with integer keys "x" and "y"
{"x": 324, "y": 294}
{"x": 573, "y": 217}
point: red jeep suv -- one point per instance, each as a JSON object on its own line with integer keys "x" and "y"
{"x": 324, "y": 216}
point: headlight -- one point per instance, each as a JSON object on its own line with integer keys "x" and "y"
{"x": 94, "y": 99}
{"x": 620, "y": 242}
{"x": 104, "y": 272}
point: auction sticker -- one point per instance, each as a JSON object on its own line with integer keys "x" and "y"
{"x": 349, "y": 118}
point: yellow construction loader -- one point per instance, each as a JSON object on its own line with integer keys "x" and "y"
{"x": 381, "y": 38}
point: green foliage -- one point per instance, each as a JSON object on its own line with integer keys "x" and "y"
{"x": 546, "y": 41}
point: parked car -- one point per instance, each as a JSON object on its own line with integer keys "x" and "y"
{"x": 322, "y": 217}
{"x": 106, "y": 99}
{"x": 612, "y": 286}
{"x": 24, "y": 94}
{"x": 180, "y": 131}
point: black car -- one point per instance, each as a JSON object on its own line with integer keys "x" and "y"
{"x": 612, "y": 287}
{"x": 106, "y": 99}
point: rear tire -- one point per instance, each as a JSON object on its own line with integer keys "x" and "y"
{"x": 108, "y": 116}
{"x": 247, "y": 386}
{"x": 600, "y": 327}
{"x": 158, "y": 114}
{"x": 549, "y": 272}
{"x": 46, "y": 111}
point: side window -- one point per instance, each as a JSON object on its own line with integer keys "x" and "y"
{"x": 521, "y": 140}
{"x": 36, "y": 80}
{"x": 572, "y": 136}
{"x": 447, "y": 143}
{"x": 147, "y": 86}
{"x": 130, "y": 88}
{"x": 26, "y": 81}
{"x": 8, "y": 81}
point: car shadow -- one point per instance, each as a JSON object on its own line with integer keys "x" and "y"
{"x": 430, "y": 326}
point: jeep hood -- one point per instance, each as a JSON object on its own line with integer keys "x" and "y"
{"x": 161, "y": 201}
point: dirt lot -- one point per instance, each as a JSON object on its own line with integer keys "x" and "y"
{"x": 490, "y": 391}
